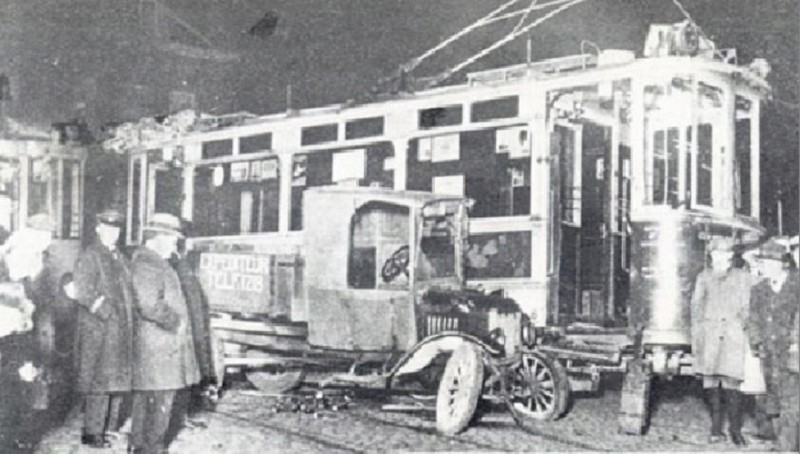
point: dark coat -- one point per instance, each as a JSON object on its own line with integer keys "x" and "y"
{"x": 199, "y": 316}
{"x": 164, "y": 355}
{"x": 104, "y": 339}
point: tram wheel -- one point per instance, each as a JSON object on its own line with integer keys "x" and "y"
{"x": 459, "y": 389}
{"x": 538, "y": 389}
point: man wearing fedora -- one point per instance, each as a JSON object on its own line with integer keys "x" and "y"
{"x": 164, "y": 358}
{"x": 773, "y": 329}
{"x": 720, "y": 304}
{"x": 104, "y": 334}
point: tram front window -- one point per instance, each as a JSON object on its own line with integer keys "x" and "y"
{"x": 684, "y": 123}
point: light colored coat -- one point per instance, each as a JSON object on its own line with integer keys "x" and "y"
{"x": 720, "y": 307}
{"x": 164, "y": 357}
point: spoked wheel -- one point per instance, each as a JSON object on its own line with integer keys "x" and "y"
{"x": 459, "y": 389}
{"x": 538, "y": 389}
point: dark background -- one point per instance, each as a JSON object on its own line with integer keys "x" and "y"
{"x": 107, "y": 61}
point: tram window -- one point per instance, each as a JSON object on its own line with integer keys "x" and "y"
{"x": 256, "y": 143}
{"x": 169, "y": 191}
{"x": 41, "y": 193}
{"x": 440, "y": 116}
{"x": 704, "y": 164}
{"x": 316, "y": 169}
{"x": 9, "y": 181}
{"x": 217, "y": 148}
{"x": 499, "y": 255}
{"x": 70, "y": 204}
{"x": 497, "y": 182}
{"x": 507, "y": 107}
{"x": 363, "y": 127}
{"x": 742, "y": 180}
{"x": 236, "y": 198}
{"x": 665, "y": 166}
{"x": 136, "y": 190}
{"x": 313, "y": 135}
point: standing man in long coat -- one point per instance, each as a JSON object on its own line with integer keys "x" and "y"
{"x": 720, "y": 306}
{"x": 104, "y": 294}
{"x": 164, "y": 357}
{"x": 774, "y": 328}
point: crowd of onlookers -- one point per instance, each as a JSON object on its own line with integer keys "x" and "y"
{"x": 138, "y": 347}
{"x": 745, "y": 333}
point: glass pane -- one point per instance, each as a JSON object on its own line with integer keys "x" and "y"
{"x": 136, "y": 208}
{"x": 496, "y": 178}
{"x": 499, "y": 255}
{"x": 9, "y": 197}
{"x": 704, "y": 164}
{"x": 70, "y": 205}
{"x": 40, "y": 189}
{"x": 169, "y": 191}
{"x": 236, "y": 198}
{"x": 379, "y": 242}
{"x": 742, "y": 181}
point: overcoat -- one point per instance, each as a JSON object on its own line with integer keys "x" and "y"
{"x": 198, "y": 314}
{"x": 720, "y": 307}
{"x": 164, "y": 357}
{"x": 104, "y": 338}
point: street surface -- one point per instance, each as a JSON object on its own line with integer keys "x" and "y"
{"x": 245, "y": 422}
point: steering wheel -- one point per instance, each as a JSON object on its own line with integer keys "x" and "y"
{"x": 397, "y": 263}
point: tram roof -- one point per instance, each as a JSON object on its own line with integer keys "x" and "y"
{"x": 576, "y": 70}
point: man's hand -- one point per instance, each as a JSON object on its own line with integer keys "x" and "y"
{"x": 97, "y": 303}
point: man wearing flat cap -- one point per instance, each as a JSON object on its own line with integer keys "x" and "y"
{"x": 774, "y": 329}
{"x": 104, "y": 294}
{"x": 720, "y": 305}
{"x": 164, "y": 357}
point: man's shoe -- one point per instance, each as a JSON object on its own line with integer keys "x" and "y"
{"x": 95, "y": 441}
{"x": 738, "y": 439}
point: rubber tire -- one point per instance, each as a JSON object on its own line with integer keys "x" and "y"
{"x": 459, "y": 389}
{"x": 278, "y": 382}
{"x": 560, "y": 392}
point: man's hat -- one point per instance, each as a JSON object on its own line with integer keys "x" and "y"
{"x": 772, "y": 250}
{"x": 165, "y": 223}
{"x": 111, "y": 217}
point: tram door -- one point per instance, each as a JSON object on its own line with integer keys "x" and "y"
{"x": 593, "y": 277}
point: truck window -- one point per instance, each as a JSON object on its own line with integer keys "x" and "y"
{"x": 379, "y": 247}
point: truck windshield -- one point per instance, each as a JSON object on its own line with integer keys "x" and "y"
{"x": 437, "y": 257}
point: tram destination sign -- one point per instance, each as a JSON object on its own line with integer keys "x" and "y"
{"x": 237, "y": 282}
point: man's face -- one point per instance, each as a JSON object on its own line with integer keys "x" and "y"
{"x": 108, "y": 235}
{"x": 165, "y": 245}
{"x": 771, "y": 269}
{"x": 721, "y": 259}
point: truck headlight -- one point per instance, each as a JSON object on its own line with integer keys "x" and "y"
{"x": 528, "y": 334}
{"x": 498, "y": 337}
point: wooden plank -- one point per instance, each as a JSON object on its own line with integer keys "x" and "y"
{"x": 261, "y": 327}
{"x": 280, "y": 343}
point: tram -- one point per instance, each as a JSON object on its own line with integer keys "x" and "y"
{"x": 597, "y": 180}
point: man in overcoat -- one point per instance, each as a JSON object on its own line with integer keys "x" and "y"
{"x": 774, "y": 327}
{"x": 164, "y": 357}
{"x": 104, "y": 333}
{"x": 720, "y": 306}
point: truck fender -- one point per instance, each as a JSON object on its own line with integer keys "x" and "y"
{"x": 425, "y": 351}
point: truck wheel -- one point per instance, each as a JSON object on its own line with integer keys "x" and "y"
{"x": 276, "y": 381}
{"x": 217, "y": 357}
{"x": 459, "y": 389}
{"x": 634, "y": 405}
{"x": 538, "y": 389}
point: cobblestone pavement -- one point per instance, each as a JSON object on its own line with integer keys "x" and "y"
{"x": 246, "y": 423}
